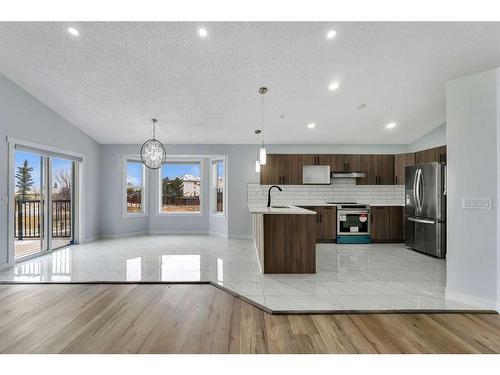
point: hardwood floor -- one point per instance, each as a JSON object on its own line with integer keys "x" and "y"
{"x": 156, "y": 318}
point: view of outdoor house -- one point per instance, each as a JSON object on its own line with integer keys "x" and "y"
{"x": 180, "y": 187}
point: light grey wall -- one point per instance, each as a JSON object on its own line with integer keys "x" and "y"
{"x": 110, "y": 214}
{"x": 434, "y": 138}
{"x": 472, "y": 123}
{"x": 24, "y": 117}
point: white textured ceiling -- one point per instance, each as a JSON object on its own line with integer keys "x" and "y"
{"x": 113, "y": 78}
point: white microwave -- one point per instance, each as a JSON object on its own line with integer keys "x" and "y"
{"x": 316, "y": 175}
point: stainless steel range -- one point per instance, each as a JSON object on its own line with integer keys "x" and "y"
{"x": 353, "y": 223}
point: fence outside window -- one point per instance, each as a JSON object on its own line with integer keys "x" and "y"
{"x": 27, "y": 215}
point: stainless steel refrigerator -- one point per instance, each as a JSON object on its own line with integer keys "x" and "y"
{"x": 425, "y": 208}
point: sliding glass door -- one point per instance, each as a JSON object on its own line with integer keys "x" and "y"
{"x": 44, "y": 213}
{"x": 29, "y": 204}
{"x": 61, "y": 197}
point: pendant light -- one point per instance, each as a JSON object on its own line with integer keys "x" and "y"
{"x": 257, "y": 162}
{"x": 262, "y": 151}
{"x": 153, "y": 153}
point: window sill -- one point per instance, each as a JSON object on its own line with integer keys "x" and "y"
{"x": 218, "y": 214}
{"x": 179, "y": 214}
{"x": 132, "y": 216}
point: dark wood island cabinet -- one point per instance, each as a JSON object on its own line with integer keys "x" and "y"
{"x": 285, "y": 239}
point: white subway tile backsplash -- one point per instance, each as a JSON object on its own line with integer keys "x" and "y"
{"x": 339, "y": 190}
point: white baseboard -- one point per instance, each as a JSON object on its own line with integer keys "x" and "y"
{"x": 218, "y": 234}
{"x": 241, "y": 236}
{"x": 120, "y": 235}
{"x": 90, "y": 239}
{"x": 177, "y": 232}
{"x": 472, "y": 300}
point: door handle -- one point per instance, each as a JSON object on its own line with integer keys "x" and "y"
{"x": 421, "y": 190}
{"x": 415, "y": 189}
{"x": 419, "y": 204}
{"x": 423, "y": 221}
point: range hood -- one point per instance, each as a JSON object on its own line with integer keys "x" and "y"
{"x": 342, "y": 174}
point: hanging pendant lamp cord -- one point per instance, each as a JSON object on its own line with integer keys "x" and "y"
{"x": 262, "y": 102}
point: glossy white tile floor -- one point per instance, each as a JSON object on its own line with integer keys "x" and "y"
{"x": 349, "y": 277}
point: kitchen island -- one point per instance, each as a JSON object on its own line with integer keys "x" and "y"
{"x": 285, "y": 239}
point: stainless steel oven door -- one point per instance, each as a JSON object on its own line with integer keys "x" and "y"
{"x": 353, "y": 222}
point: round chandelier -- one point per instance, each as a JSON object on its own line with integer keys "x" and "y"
{"x": 153, "y": 153}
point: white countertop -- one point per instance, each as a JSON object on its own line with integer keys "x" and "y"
{"x": 338, "y": 204}
{"x": 290, "y": 210}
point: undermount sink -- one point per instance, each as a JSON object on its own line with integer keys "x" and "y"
{"x": 280, "y": 207}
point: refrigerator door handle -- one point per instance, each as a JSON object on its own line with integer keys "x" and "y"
{"x": 421, "y": 190}
{"x": 415, "y": 190}
{"x": 423, "y": 221}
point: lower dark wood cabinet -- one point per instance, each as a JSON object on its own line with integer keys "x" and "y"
{"x": 326, "y": 224}
{"x": 289, "y": 243}
{"x": 386, "y": 223}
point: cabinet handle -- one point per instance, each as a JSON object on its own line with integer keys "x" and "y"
{"x": 348, "y": 166}
{"x": 396, "y": 180}
{"x": 320, "y": 218}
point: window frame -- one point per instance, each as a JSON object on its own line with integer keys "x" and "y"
{"x": 144, "y": 201}
{"x": 213, "y": 176}
{"x": 158, "y": 211}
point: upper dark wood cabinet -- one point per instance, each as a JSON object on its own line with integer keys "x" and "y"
{"x": 430, "y": 155}
{"x": 317, "y": 159}
{"x": 367, "y": 165}
{"x": 401, "y": 161}
{"x": 353, "y": 162}
{"x": 286, "y": 169}
{"x": 292, "y": 169}
{"x": 270, "y": 173}
{"x": 379, "y": 170}
{"x": 386, "y": 170}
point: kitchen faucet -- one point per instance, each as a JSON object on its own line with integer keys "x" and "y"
{"x": 269, "y": 194}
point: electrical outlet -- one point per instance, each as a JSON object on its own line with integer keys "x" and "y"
{"x": 477, "y": 203}
{"x": 4, "y": 199}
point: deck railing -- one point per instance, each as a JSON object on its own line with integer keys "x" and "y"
{"x": 27, "y": 223}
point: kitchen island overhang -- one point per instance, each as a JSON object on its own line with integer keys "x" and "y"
{"x": 285, "y": 239}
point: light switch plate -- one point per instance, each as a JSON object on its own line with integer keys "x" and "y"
{"x": 477, "y": 203}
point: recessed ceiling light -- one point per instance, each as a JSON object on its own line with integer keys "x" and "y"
{"x": 311, "y": 125}
{"x": 331, "y": 34}
{"x": 334, "y": 86}
{"x": 391, "y": 125}
{"x": 202, "y": 32}
{"x": 73, "y": 31}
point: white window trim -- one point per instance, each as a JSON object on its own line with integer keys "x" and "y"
{"x": 158, "y": 199}
{"x": 145, "y": 184}
{"x": 79, "y": 230}
{"x": 213, "y": 206}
